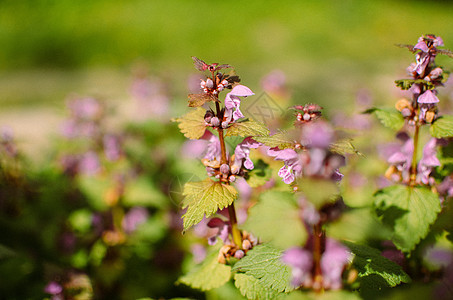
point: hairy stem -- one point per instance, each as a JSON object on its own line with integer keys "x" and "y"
{"x": 236, "y": 233}
{"x": 413, "y": 169}
{"x": 319, "y": 241}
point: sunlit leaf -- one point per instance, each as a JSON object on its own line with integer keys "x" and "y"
{"x": 205, "y": 198}
{"x": 281, "y": 139}
{"x": 319, "y": 191}
{"x": 208, "y": 275}
{"x": 389, "y": 117}
{"x": 264, "y": 263}
{"x": 275, "y": 219}
{"x": 251, "y": 288}
{"x": 409, "y": 211}
{"x": 192, "y": 124}
{"x": 442, "y": 127}
{"x": 343, "y": 147}
{"x": 247, "y": 128}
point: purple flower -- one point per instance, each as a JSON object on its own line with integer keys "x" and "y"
{"x": 402, "y": 158}
{"x": 199, "y": 252}
{"x": 422, "y": 60}
{"x": 223, "y": 229}
{"x": 85, "y": 108}
{"x": 445, "y": 188}
{"x": 214, "y": 151}
{"x": 274, "y": 82}
{"x": 333, "y": 261}
{"x": 53, "y": 288}
{"x": 317, "y": 135}
{"x": 232, "y": 101}
{"x": 292, "y": 167}
{"x": 427, "y": 97}
{"x": 112, "y": 147}
{"x": 301, "y": 262}
{"x": 428, "y": 161}
{"x": 89, "y": 164}
{"x": 242, "y": 155}
{"x": 133, "y": 218}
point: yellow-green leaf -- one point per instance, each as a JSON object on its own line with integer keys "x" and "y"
{"x": 196, "y": 100}
{"x": 247, "y": 128}
{"x": 192, "y": 124}
{"x": 205, "y": 198}
{"x": 442, "y": 127}
{"x": 281, "y": 139}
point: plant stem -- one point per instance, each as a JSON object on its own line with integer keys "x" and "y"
{"x": 237, "y": 236}
{"x": 236, "y": 233}
{"x": 319, "y": 240}
{"x": 413, "y": 169}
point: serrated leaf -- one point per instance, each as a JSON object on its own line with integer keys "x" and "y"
{"x": 247, "y": 128}
{"x": 264, "y": 263}
{"x": 369, "y": 261}
{"x": 282, "y": 140}
{"x": 442, "y": 127}
{"x": 343, "y": 147}
{"x": 205, "y": 198}
{"x": 319, "y": 191}
{"x": 389, "y": 117}
{"x": 409, "y": 211}
{"x": 406, "y": 84}
{"x": 251, "y": 288}
{"x": 196, "y": 100}
{"x": 210, "y": 274}
{"x": 260, "y": 174}
{"x": 192, "y": 124}
{"x": 275, "y": 219}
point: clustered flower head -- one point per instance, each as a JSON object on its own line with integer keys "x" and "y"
{"x": 426, "y": 77}
{"x": 334, "y": 259}
{"x": 313, "y": 157}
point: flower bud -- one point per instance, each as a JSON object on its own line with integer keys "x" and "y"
{"x": 225, "y": 82}
{"x": 232, "y": 178}
{"x": 208, "y": 116}
{"x": 306, "y": 117}
{"x": 402, "y": 103}
{"x": 239, "y": 254}
{"x": 406, "y": 112}
{"x": 215, "y": 121}
{"x": 203, "y": 84}
{"x": 209, "y": 83}
{"x": 225, "y": 124}
{"x": 205, "y": 90}
{"x": 220, "y": 87}
{"x": 225, "y": 169}
{"x": 429, "y": 117}
{"x": 215, "y": 92}
{"x": 246, "y": 245}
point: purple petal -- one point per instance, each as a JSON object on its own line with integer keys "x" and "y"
{"x": 53, "y": 288}
{"x": 301, "y": 263}
{"x": 333, "y": 261}
{"x": 427, "y": 97}
{"x": 286, "y": 174}
{"x": 285, "y": 154}
{"x": 242, "y": 91}
{"x": 421, "y": 45}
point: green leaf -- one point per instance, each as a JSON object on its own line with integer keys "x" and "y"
{"x": 260, "y": 174}
{"x": 247, "y": 128}
{"x": 96, "y": 189}
{"x": 263, "y": 262}
{"x": 210, "y": 274}
{"x": 319, "y": 191}
{"x": 442, "y": 127}
{"x": 389, "y": 117}
{"x": 275, "y": 218}
{"x": 281, "y": 139}
{"x": 325, "y": 295}
{"x": 409, "y": 211}
{"x": 406, "y": 84}
{"x": 343, "y": 147}
{"x": 251, "y": 288}
{"x": 205, "y": 198}
{"x": 369, "y": 261}
{"x": 192, "y": 124}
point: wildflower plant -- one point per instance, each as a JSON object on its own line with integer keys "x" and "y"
{"x": 283, "y": 245}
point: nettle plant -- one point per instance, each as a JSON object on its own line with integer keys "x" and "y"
{"x": 414, "y": 204}
{"x": 283, "y": 247}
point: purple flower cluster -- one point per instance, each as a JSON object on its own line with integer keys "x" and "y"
{"x": 426, "y": 76}
{"x": 335, "y": 258}
{"x": 315, "y": 159}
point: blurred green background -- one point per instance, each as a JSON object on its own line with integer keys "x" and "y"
{"x": 328, "y": 49}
